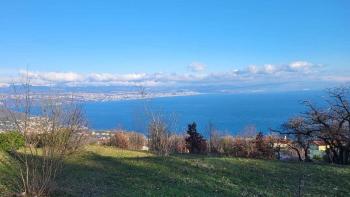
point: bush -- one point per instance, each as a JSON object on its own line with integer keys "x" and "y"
{"x": 242, "y": 147}
{"x": 120, "y": 140}
{"x": 136, "y": 140}
{"x": 260, "y": 147}
{"x": 227, "y": 145}
{"x": 263, "y": 147}
{"x": 127, "y": 140}
{"x": 11, "y": 141}
{"x": 178, "y": 144}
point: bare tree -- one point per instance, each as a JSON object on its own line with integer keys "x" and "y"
{"x": 178, "y": 144}
{"x": 159, "y": 127}
{"x": 214, "y": 139}
{"x": 159, "y": 135}
{"x": 300, "y": 135}
{"x": 246, "y": 140}
{"x": 332, "y": 124}
{"x": 136, "y": 140}
{"x": 53, "y": 134}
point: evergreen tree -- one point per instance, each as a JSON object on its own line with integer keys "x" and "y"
{"x": 195, "y": 142}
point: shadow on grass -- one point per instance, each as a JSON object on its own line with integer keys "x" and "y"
{"x": 9, "y": 177}
{"x": 92, "y": 174}
{"x": 147, "y": 176}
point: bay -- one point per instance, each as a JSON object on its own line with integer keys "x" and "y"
{"x": 229, "y": 113}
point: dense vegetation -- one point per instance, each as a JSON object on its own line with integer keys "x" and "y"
{"x": 107, "y": 171}
{"x": 11, "y": 140}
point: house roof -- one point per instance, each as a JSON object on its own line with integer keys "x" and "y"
{"x": 319, "y": 143}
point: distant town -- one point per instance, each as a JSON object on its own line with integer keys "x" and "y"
{"x": 98, "y": 96}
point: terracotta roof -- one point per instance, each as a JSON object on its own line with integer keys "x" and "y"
{"x": 319, "y": 143}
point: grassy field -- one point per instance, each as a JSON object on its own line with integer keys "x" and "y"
{"x": 102, "y": 171}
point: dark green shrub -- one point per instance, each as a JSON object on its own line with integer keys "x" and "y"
{"x": 11, "y": 141}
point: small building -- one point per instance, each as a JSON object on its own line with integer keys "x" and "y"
{"x": 145, "y": 148}
{"x": 282, "y": 143}
{"x": 317, "y": 149}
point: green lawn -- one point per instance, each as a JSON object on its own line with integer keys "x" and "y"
{"x": 101, "y": 171}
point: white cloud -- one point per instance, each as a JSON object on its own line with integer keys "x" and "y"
{"x": 300, "y": 65}
{"x": 105, "y": 77}
{"x": 62, "y": 77}
{"x": 297, "y": 66}
{"x": 52, "y": 76}
{"x": 253, "y": 69}
{"x": 270, "y": 69}
{"x": 197, "y": 67}
{"x": 303, "y": 66}
{"x": 253, "y": 74}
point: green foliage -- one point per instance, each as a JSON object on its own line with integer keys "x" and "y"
{"x": 11, "y": 141}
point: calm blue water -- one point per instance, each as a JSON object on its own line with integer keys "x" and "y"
{"x": 229, "y": 113}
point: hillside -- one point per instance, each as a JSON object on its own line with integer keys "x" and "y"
{"x": 102, "y": 171}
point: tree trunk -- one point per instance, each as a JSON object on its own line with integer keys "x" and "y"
{"x": 343, "y": 155}
{"x": 299, "y": 155}
{"x": 306, "y": 155}
{"x": 334, "y": 155}
{"x": 297, "y": 151}
{"x": 346, "y": 157}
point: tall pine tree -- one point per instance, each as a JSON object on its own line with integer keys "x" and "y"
{"x": 195, "y": 142}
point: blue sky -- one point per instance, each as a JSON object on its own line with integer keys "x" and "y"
{"x": 77, "y": 40}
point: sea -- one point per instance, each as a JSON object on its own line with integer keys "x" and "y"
{"x": 227, "y": 113}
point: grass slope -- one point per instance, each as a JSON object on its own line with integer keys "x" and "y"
{"x": 103, "y": 171}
